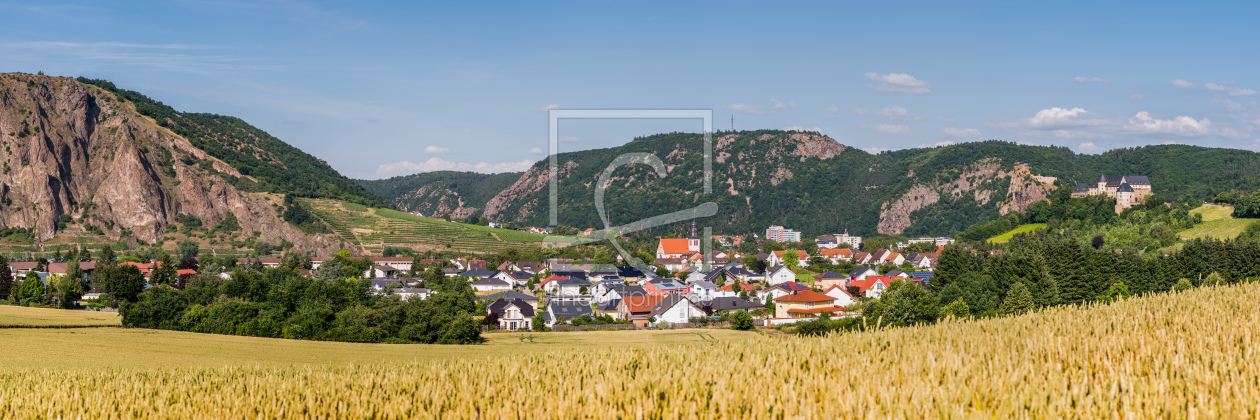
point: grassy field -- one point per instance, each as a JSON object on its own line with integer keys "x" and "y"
{"x": 370, "y": 230}
{"x": 1149, "y": 357}
{"x": 1217, "y": 223}
{"x": 19, "y": 316}
{"x": 1003, "y": 238}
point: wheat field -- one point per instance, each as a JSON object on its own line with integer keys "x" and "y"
{"x": 1187, "y": 355}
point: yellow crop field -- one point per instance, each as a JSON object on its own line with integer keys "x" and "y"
{"x": 1181, "y": 355}
{"x": 20, "y": 316}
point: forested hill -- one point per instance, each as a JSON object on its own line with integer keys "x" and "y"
{"x": 274, "y": 165}
{"x": 461, "y": 194}
{"x": 810, "y": 182}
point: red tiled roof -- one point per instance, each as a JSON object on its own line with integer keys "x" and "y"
{"x": 799, "y": 253}
{"x": 817, "y": 310}
{"x": 674, "y": 246}
{"x": 742, "y": 287}
{"x": 641, "y": 303}
{"x": 836, "y": 252}
{"x": 863, "y": 284}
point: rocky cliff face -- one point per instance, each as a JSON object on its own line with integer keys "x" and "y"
{"x": 75, "y": 149}
{"x": 1023, "y": 189}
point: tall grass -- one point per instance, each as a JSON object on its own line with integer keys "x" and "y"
{"x": 1172, "y": 355}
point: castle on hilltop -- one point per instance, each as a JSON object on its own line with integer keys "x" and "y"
{"x": 1127, "y": 190}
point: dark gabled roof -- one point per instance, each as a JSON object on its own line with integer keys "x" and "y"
{"x": 609, "y": 306}
{"x": 791, "y": 286}
{"x": 1081, "y": 187}
{"x": 508, "y": 294}
{"x": 380, "y": 284}
{"x": 858, "y": 271}
{"x": 829, "y": 275}
{"x": 573, "y": 282}
{"x": 569, "y": 309}
{"x": 895, "y": 273}
{"x": 1137, "y": 180}
{"x": 703, "y": 284}
{"x": 623, "y": 290}
{"x": 490, "y": 281}
{"x": 498, "y": 306}
{"x": 1124, "y": 188}
{"x": 578, "y": 274}
{"x": 669, "y": 302}
{"x": 739, "y": 271}
{"x": 631, "y": 272}
{"x": 477, "y": 272}
{"x": 727, "y": 303}
{"x": 825, "y": 238}
{"x": 667, "y": 284}
{"x": 762, "y": 256}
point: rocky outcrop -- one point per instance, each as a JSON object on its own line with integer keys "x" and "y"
{"x": 1023, "y": 190}
{"x": 75, "y": 149}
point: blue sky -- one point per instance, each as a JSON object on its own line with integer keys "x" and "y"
{"x": 384, "y": 89}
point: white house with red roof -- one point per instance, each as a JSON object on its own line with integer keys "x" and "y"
{"x": 776, "y": 258}
{"x": 873, "y": 286}
{"x": 805, "y": 304}
{"x": 677, "y": 247}
{"x": 841, "y": 296}
{"x": 836, "y": 255}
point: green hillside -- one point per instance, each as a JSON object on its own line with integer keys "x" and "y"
{"x": 1217, "y": 223}
{"x": 450, "y": 187}
{"x": 767, "y": 177}
{"x": 370, "y": 230}
{"x": 1003, "y": 238}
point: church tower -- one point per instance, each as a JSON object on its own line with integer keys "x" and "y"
{"x": 693, "y": 241}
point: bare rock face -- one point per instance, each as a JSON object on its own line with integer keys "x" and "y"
{"x": 1025, "y": 189}
{"x": 75, "y": 149}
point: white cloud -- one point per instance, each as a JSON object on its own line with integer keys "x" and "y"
{"x": 1231, "y": 90}
{"x": 1078, "y": 123}
{"x": 754, "y": 109}
{"x": 1083, "y": 79}
{"x": 437, "y": 150}
{"x": 568, "y": 140}
{"x": 835, "y": 110}
{"x": 876, "y": 150}
{"x": 894, "y": 129}
{"x": 898, "y": 113}
{"x": 1183, "y": 84}
{"x": 1088, "y": 147}
{"x": 802, "y": 129}
{"x": 1179, "y": 126}
{"x": 961, "y": 133}
{"x": 549, "y": 107}
{"x": 439, "y": 164}
{"x": 898, "y": 83}
{"x": 743, "y": 108}
{"x": 536, "y": 151}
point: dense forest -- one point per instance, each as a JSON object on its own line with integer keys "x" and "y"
{"x": 276, "y": 166}
{"x": 846, "y": 191}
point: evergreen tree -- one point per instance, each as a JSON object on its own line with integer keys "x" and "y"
{"x": 107, "y": 255}
{"x": 1018, "y": 301}
{"x": 6, "y": 279}
{"x": 1214, "y": 279}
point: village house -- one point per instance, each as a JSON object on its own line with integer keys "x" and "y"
{"x": 836, "y": 255}
{"x": 720, "y": 305}
{"x": 872, "y": 286}
{"x": 841, "y": 296}
{"x": 565, "y": 311}
{"x": 830, "y": 278}
{"x": 638, "y": 309}
{"x": 804, "y": 304}
{"x": 826, "y": 242}
{"x": 512, "y": 295}
{"x": 676, "y": 308}
{"x": 407, "y": 293}
{"x": 776, "y": 258}
{"x": 702, "y": 290}
{"x": 491, "y": 284}
{"x": 518, "y": 278}
{"x": 513, "y": 314}
{"x": 660, "y": 287}
{"x": 727, "y": 290}
{"x": 779, "y": 274}
{"x": 782, "y": 289}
